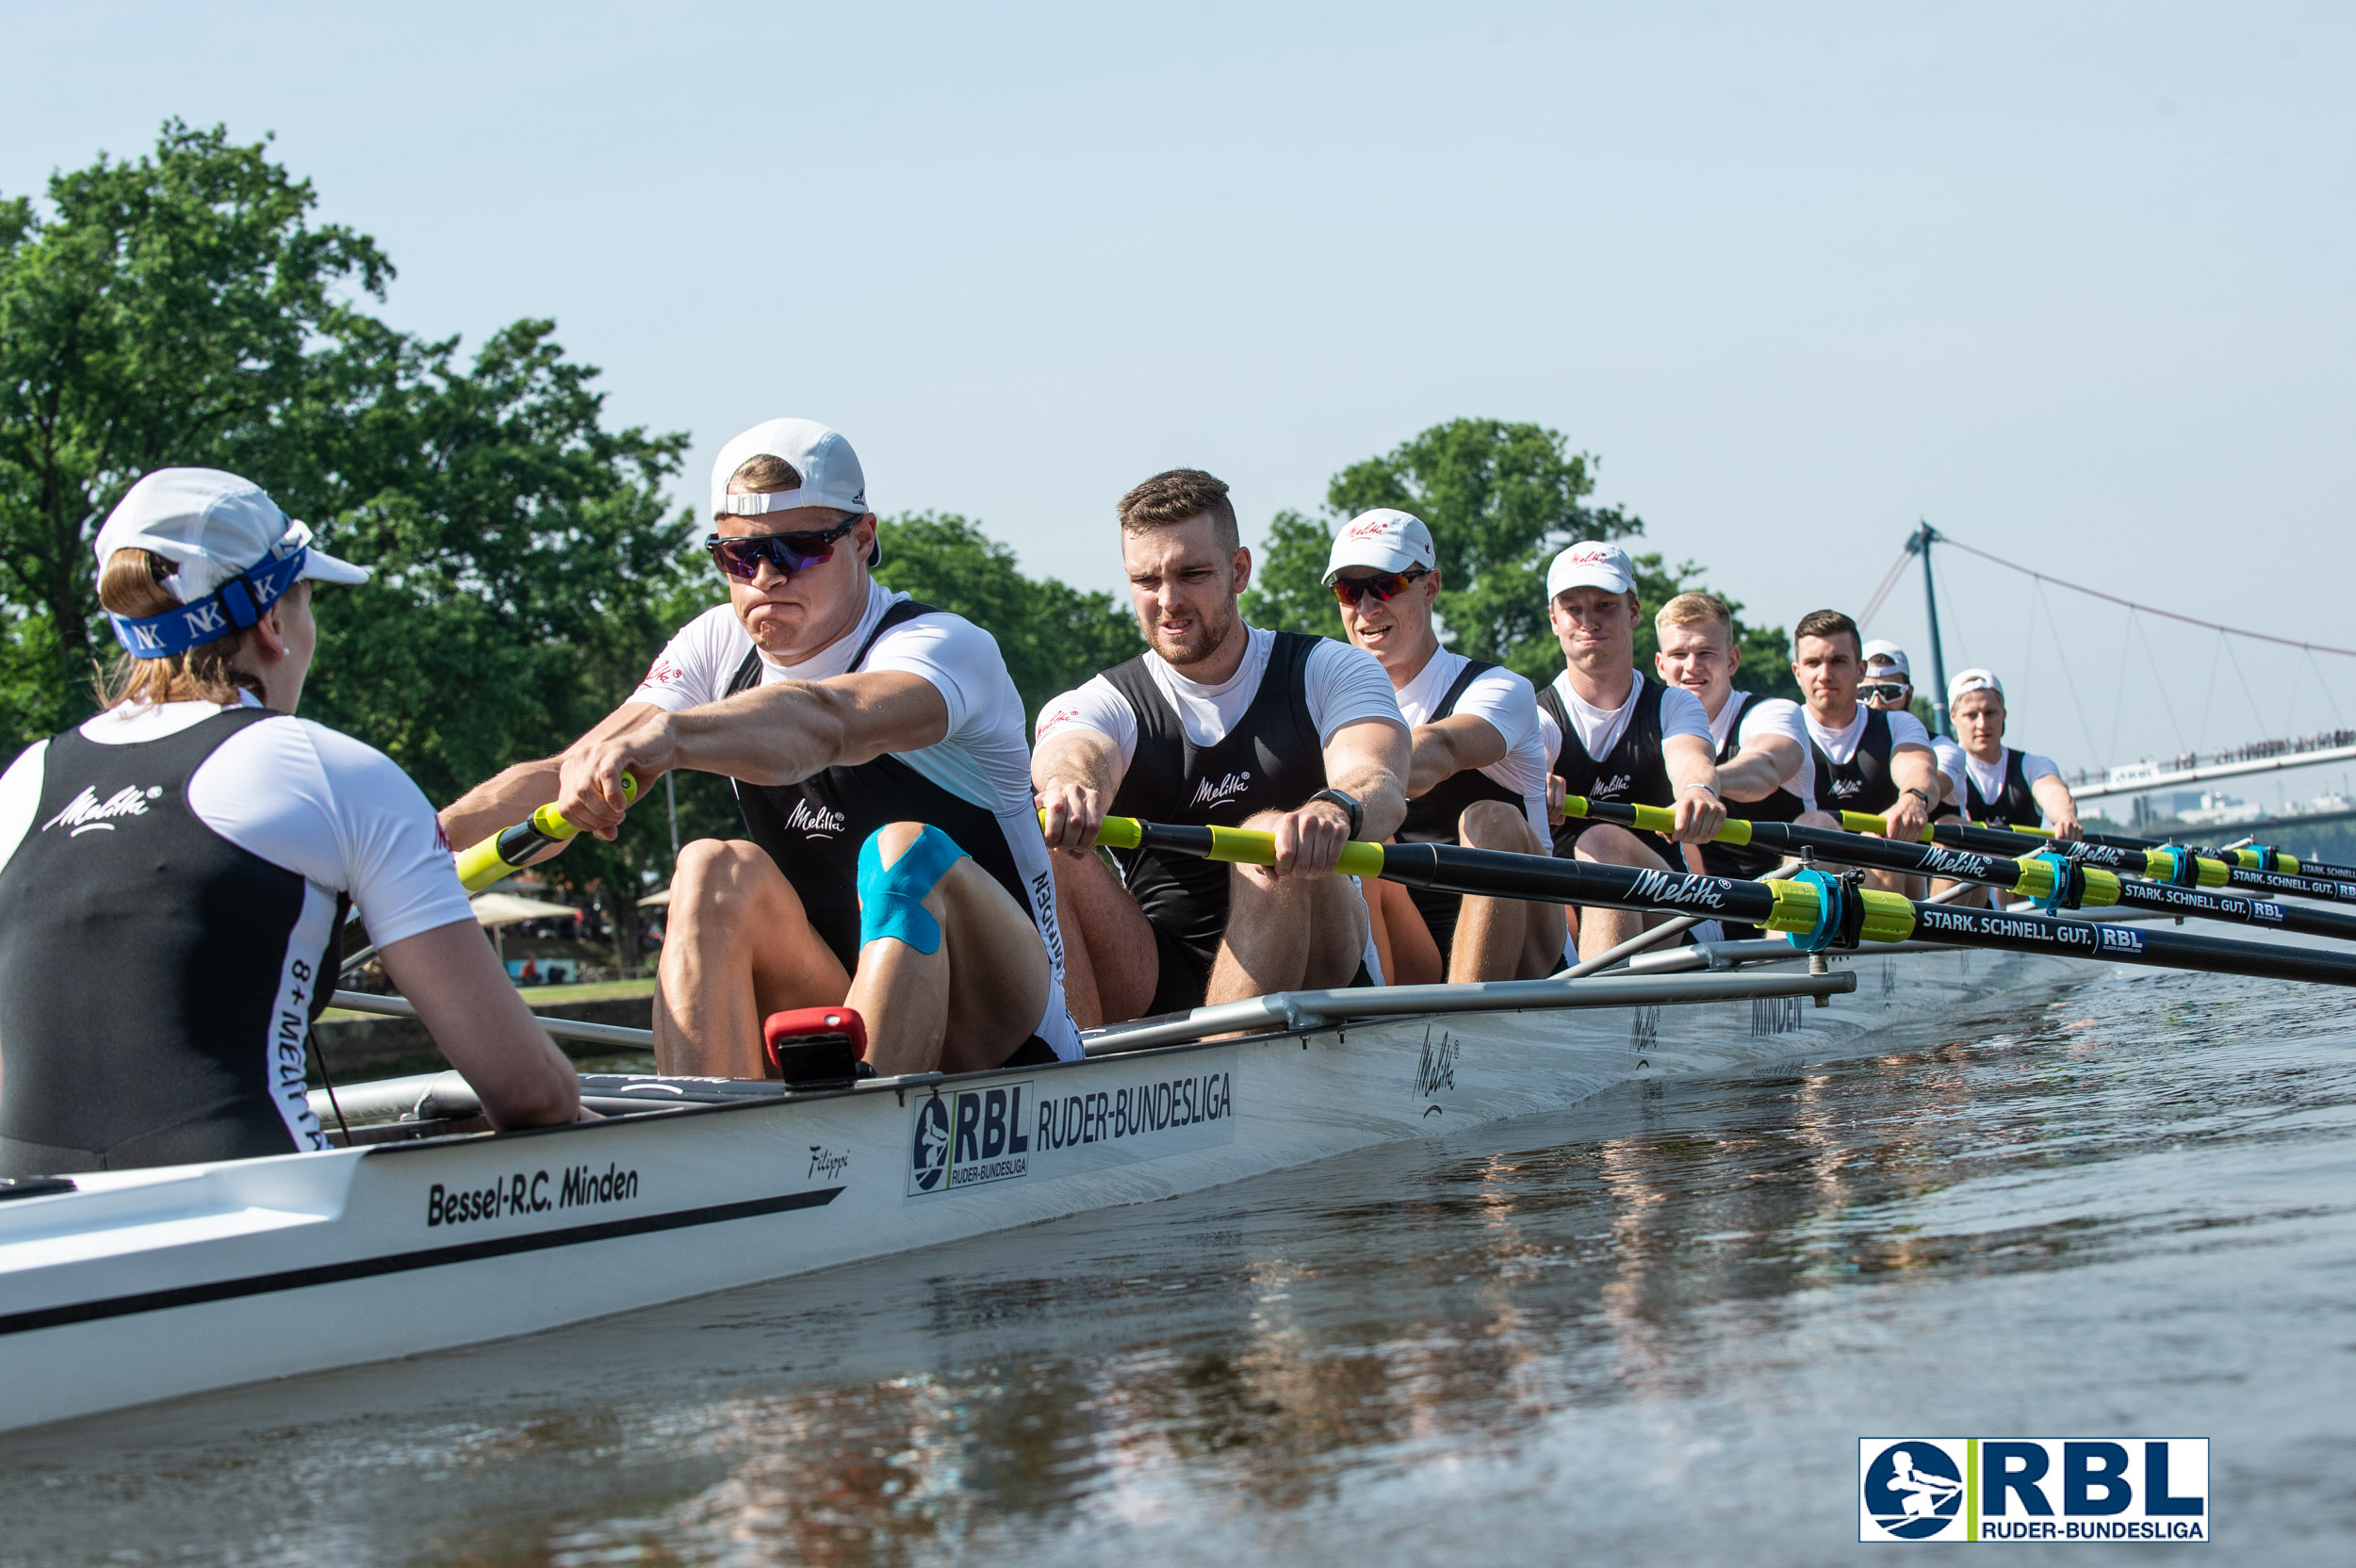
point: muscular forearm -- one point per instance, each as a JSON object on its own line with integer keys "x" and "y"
{"x": 1433, "y": 759}
{"x": 1751, "y": 776}
{"x": 1917, "y": 769}
{"x": 499, "y": 802}
{"x": 779, "y": 734}
{"x": 1374, "y": 783}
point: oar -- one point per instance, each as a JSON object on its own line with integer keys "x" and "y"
{"x": 2252, "y": 856}
{"x": 1818, "y": 912}
{"x": 504, "y": 852}
{"x": 2045, "y": 875}
{"x": 2181, "y": 868}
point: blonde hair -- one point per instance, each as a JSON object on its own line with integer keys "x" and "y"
{"x": 133, "y": 585}
{"x": 1696, "y": 609}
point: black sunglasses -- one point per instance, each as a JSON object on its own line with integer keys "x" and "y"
{"x": 740, "y": 555}
{"x": 1382, "y": 585}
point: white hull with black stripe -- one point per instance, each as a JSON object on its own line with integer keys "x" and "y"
{"x": 146, "y": 1284}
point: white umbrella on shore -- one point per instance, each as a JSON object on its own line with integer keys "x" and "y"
{"x": 497, "y": 909}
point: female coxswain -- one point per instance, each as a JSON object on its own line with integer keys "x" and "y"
{"x": 176, "y": 871}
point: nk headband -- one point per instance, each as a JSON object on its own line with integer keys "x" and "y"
{"x": 238, "y": 604}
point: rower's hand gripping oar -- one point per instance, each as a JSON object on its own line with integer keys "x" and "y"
{"x": 506, "y": 851}
{"x": 1816, "y": 912}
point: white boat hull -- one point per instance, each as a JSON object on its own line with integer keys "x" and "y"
{"x": 153, "y": 1283}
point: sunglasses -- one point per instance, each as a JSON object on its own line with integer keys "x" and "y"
{"x": 1382, "y": 585}
{"x": 742, "y": 557}
{"x": 1881, "y": 690}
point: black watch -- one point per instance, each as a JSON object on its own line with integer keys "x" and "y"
{"x": 1348, "y": 802}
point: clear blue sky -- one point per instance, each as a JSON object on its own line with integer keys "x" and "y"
{"x": 2072, "y": 282}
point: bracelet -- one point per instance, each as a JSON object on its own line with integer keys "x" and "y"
{"x": 1697, "y": 784}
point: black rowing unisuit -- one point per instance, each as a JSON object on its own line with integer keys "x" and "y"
{"x": 1863, "y": 783}
{"x": 813, "y": 829}
{"x": 2015, "y": 804}
{"x": 1635, "y": 771}
{"x": 1779, "y": 805}
{"x": 154, "y": 996}
{"x": 1433, "y": 816}
{"x": 1273, "y": 759}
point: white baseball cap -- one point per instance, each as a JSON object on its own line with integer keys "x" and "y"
{"x": 1973, "y": 680}
{"x": 1591, "y": 563}
{"x": 1888, "y": 653}
{"x": 212, "y": 526}
{"x": 828, "y": 468}
{"x": 1385, "y": 539}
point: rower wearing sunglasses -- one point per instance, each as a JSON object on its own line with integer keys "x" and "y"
{"x": 1217, "y": 724}
{"x": 1868, "y": 759}
{"x": 1476, "y": 772}
{"x": 891, "y": 861}
{"x": 1614, "y": 735}
{"x": 1889, "y": 685}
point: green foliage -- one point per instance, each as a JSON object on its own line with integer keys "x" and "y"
{"x": 1288, "y": 593}
{"x": 1501, "y": 500}
{"x": 1053, "y": 636}
{"x": 182, "y": 309}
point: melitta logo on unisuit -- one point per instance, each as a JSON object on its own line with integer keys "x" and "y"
{"x": 968, "y": 1138}
{"x": 2032, "y": 1488}
{"x": 816, "y": 822}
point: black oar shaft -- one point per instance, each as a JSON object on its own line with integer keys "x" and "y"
{"x": 2152, "y": 864}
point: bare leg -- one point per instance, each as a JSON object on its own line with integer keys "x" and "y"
{"x": 1610, "y": 844}
{"x": 1109, "y": 959}
{"x": 1401, "y": 938}
{"x": 1503, "y": 938}
{"x": 1286, "y": 935}
{"x": 740, "y": 948}
{"x": 965, "y": 1005}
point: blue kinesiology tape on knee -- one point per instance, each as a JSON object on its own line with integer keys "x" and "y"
{"x": 891, "y": 898}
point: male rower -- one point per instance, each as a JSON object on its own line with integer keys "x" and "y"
{"x": 891, "y": 861}
{"x": 2005, "y": 788}
{"x": 1217, "y": 724}
{"x": 1766, "y": 763}
{"x": 1867, "y": 759}
{"x": 1613, "y": 735}
{"x": 1889, "y": 685}
{"x": 1478, "y": 771}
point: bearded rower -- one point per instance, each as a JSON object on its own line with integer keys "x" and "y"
{"x": 891, "y": 861}
{"x": 1217, "y": 724}
{"x": 1766, "y": 762}
{"x": 1478, "y": 771}
{"x": 2003, "y": 786}
{"x": 1867, "y": 759}
{"x": 1613, "y": 735}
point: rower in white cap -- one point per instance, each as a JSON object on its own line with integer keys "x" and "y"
{"x": 175, "y": 874}
{"x": 1477, "y": 774}
{"x": 891, "y": 862}
{"x": 2005, "y": 787}
{"x": 1889, "y": 688}
{"x": 1614, "y": 735}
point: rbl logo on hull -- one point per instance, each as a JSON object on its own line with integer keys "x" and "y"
{"x": 2033, "y": 1489}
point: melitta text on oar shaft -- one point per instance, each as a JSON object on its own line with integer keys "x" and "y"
{"x": 2046, "y": 876}
{"x": 1818, "y": 912}
{"x": 509, "y": 849}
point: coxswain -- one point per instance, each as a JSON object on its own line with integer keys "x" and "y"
{"x": 1867, "y": 759}
{"x": 2005, "y": 788}
{"x": 1613, "y": 735}
{"x": 1217, "y": 722}
{"x": 178, "y": 869}
{"x": 1477, "y": 774}
{"x": 891, "y": 863}
{"x": 1766, "y": 763}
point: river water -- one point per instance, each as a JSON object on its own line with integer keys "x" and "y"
{"x": 1650, "y": 1330}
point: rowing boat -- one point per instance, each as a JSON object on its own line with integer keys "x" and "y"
{"x": 124, "y": 1287}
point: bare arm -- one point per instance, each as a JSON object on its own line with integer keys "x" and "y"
{"x": 483, "y": 1027}
{"x": 1448, "y": 747}
{"x": 1760, "y": 769}
{"x": 1075, "y": 772}
{"x": 510, "y": 797}
{"x": 777, "y": 734}
{"x": 1367, "y": 760}
{"x": 1693, "y": 769}
{"x": 1912, "y": 767}
{"x": 2059, "y": 806}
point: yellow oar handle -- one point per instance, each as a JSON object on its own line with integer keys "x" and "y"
{"x": 1866, "y": 822}
{"x": 1246, "y": 846}
{"x": 483, "y": 863}
{"x": 1661, "y": 820}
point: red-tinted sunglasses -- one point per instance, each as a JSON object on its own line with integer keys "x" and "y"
{"x": 1382, "y": 585}
{"x": 741, "y": 556}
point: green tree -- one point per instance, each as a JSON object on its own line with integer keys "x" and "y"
{"x": 1053, "y": 636}
{"x": 1289, "y": 591}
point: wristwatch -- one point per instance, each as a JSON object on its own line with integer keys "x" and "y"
{"x": 1917, "y": 795}
{"x": 1348, "y": 802}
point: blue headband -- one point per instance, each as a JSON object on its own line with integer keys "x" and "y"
{"x": 239, "y": 604}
